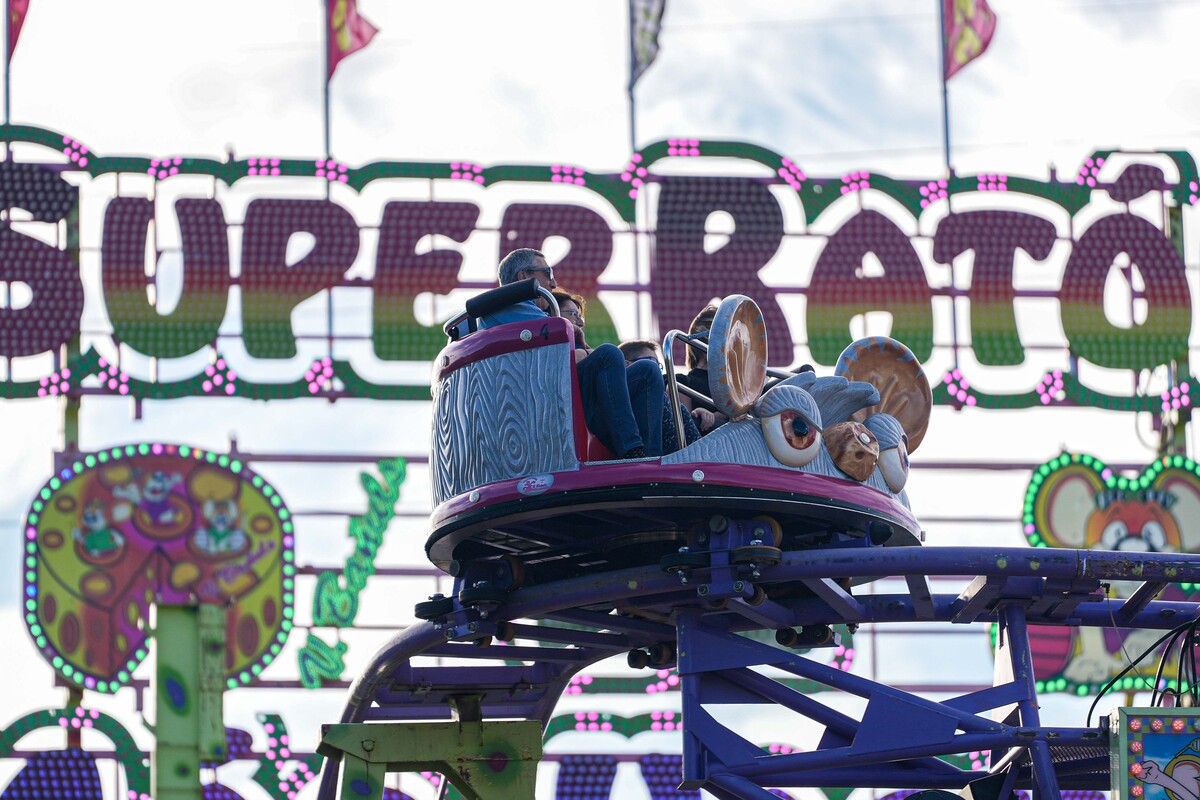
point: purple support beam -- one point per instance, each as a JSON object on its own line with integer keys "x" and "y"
{"x": 1017, "y": 585}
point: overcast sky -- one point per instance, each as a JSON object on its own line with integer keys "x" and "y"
{"x": 836, "y": 86}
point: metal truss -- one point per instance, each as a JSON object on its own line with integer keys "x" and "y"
{"x": 692, "y": 618}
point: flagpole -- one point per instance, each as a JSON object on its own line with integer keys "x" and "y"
{"x": 325, "y": 25}
{"x": 945, "y": 94}
{"x": 949, "y": 169}
{"x": 328, "y": 183}
{"x": 7, "y": 70}
{"x": 632, "y": 104}
{"x": 637, "y": 260}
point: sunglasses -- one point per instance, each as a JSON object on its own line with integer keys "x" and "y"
{"x": 548, "y": 270}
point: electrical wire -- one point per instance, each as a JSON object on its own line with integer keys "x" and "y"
{"x": 1121, "y": 639}
{"x": 1156, "y": 694}
{"x": 1113, "y": 681}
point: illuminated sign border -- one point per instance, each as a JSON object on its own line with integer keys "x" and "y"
{"x": 620, "y": 189}
{"x": 1112, "y": 481}
{"x": 32, "y": 569}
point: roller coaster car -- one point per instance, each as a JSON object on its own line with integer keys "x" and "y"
{"x": 524, "y": 493}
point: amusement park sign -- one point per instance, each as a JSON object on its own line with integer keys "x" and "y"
{"x": 849, "y": 245}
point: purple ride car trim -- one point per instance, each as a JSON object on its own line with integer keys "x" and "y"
{"x": 499, "y": 340}
{"x": 615, "y": 475}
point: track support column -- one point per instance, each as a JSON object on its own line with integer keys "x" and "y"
{"x": 1014, "y": 661}
{"x": 483, "y": 760}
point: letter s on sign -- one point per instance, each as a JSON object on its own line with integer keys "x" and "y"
{"x": 51, "y": 318}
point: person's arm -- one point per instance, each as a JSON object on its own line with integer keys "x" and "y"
{"x": 580, "y": 339}
{"x": 705, "y": 420}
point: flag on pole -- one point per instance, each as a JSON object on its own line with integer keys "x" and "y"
{"x": 346, "y": 32}
{"x": 16, "y": 18}
{"x": 969, "y": 27}
{"x": 645, "y": 19}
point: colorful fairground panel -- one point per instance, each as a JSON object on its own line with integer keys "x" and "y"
{"x": 1155, "y": 753}
{"x": 1077, "y": 501}
{"x": 118, "y": 531}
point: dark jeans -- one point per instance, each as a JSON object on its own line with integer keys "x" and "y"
{"x": 622, "y": 407}
{"x": 671, "y": 441}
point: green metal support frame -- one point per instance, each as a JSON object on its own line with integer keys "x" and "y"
{"x": 492, "y": 760}
{"x": 189, "y": 682}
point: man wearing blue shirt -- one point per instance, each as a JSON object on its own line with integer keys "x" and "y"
{"x": 622, "y": 407}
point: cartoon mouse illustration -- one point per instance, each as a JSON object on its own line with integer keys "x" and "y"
{"x": 1076, "y": 507}
{"x": 96, "y": 536}
{"x": 155, "y": 498}
{"x": 221, "y": 532}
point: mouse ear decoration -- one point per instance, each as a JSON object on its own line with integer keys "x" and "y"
{"x": 891, "y": 368}
{"x": 737, "y": 356}
{"x": 1061, "y": 501}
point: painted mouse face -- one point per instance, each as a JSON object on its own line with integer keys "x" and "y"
{"x": 1080, "y": 505}
{"x": 94, "y": 517}
{"x": 1140, "y": 523}
{"x": 222, "y": 514}
{"x": 158, "y": 485}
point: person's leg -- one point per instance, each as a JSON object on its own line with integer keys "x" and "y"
{"x": 670, "y": 440}
{"x": 605, "y": 397}
{"x": 645, "y": 381}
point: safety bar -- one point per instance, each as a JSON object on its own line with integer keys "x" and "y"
{"x": 674, "y": 388}
{"x": 495, "y": 299}
{"x": 673, "y": 380}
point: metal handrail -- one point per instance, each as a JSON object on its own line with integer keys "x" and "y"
{"x": 673, "y": 382}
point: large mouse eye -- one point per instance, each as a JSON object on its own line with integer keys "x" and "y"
{"x": 796, "y": 429}
{"x": 1154, "y": 536}
{"x": 791, "y": 438}
{"x": 1114, "y": 533}
{"x": 893, "y": 465}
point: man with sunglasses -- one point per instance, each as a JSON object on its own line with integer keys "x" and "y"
{"x": 622, "y": 407}
{"x": 521, "y": 265}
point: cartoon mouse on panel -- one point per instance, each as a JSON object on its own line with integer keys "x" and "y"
{"x": 1076, "y": 507}
{"x": 96, "y": 535}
